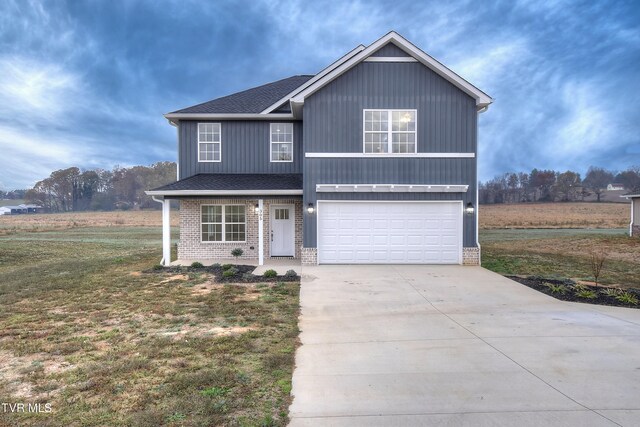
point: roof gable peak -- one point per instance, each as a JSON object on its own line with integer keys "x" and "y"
{"x": 482, "y": 99}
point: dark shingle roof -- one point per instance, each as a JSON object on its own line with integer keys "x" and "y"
{"x": 233, "y": 181}
{"x": 253, "y": 100}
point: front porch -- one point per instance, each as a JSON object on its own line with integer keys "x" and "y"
{"x": 246, "y": 218}
{"x": 261, "y": 231}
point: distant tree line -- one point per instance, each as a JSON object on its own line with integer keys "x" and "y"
{"x": 123, "y": 188}
{"x": 553, "y": 186}
{"x": 13, "y": 194}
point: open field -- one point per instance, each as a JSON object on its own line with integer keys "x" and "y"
{"x": 85, "y": 327}
{"x": 60, "y": 221}
{"x": 555, "y": 215}
{"x": 11, "y": 202}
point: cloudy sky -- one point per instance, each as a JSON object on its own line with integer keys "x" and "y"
{"x": 86, "y": 82}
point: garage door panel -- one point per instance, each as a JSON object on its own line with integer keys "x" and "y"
{"x": 449, "y": 240}
{"x": 389, "y": 232}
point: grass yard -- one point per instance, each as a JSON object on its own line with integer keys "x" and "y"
{"x": 526, "y": 239}
{"x": 85, "y": 328}
{"x": 555, "y": 215}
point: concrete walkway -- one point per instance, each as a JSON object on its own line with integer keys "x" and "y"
{"x": 452, "y": 345}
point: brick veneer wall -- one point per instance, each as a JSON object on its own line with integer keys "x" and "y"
{"x": 191, "y": 247}
{"x": 309, "y": 256}
{"x": 471, "y": 256}
{"x": 635, "y": 231}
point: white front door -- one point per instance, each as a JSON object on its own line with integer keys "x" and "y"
{"x": 283, "y": 230}
{"x": 395, "y": 232}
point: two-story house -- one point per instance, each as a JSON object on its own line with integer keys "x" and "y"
{"x": 372, "y": 160}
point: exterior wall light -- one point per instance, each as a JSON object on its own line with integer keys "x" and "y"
{"x": 469, "y": 210}
{"x": 310, "y": 208}
{"x": 257, "y": 208}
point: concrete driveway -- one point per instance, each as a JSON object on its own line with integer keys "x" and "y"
{"x": 453, "y": 345}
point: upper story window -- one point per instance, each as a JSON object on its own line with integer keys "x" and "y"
{"x": 389, "y": 131}
{"x": 209, "y": 142}
{"x": 281, "y": 142}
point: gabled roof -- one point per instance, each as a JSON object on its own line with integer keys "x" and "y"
{"x": 253, "y": 100}
{"x": 315, "y": 78}
{"x": 482, "y": 99}
{"x": 272, "y": 100}
{"x": 231, "y": 183}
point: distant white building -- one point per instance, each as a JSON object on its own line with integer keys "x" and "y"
{"x": 615, "y": 187}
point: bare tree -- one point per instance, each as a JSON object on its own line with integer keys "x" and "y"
{"x": 597, "y": 264}
{"x": 597, "y": 180}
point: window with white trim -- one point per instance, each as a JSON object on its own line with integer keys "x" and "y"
{"x": 281, "y": 142}
{"x": 389, "y": 131}
{"x": 209, "y": 142}
{"x": 223, "y": 223}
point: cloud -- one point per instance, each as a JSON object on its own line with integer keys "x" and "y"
{"x": 86, "y": 83}
{"x": 38, "y": 90}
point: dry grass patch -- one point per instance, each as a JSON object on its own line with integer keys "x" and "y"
{"x": 554, "y": 215}
{"x": 10, "y": 224}
{"x": 106, "y": 344}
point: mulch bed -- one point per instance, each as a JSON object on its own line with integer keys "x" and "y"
{"x": 241, "y": 273}
{"x": 539, "y": 284}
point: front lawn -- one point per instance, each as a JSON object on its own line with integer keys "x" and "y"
{"x": 562, "y": 254}
{"x": 85, "y": 328}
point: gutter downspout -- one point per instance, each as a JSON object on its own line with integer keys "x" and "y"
{"x": 631, "y": 223}
{"x": 166, "y": 230}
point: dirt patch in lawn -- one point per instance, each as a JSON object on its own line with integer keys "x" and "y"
{"x": 23, "y": 375}
{"x": 199, "y": 331}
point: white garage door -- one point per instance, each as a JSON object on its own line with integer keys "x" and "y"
{"x": 389, "y": 232}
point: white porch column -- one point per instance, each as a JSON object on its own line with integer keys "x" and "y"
{"x": 260, "y": 232}
{"x": 166, "y": 232}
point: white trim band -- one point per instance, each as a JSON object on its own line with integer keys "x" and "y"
{"x": 392, "y": 155}
{"x": 390, "y": 59}
{"x": 224, "y": 193}
{"x": 391, "y": 188}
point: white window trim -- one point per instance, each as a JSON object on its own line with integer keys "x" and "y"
{"x": 209, "y": 142}
{"x": 389, "y": 131}
{"x": 224, "y": 223}
{"x": 271, "y": 142}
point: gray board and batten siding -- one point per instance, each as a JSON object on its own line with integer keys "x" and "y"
{"x": 246, "y": 148}
{"x": 446, "y": 123}
{"x": 390, "y": 49}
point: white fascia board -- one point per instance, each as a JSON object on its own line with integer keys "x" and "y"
{"x": 631, "y": 196}
{"x": 392, "y": 155}
{"x": 391, "y": 188}
{"x": 224, "y": 193}
{"x": 235, "y": 116}
{"x": 482, "y": 99}
{"x": 314, "y": 79}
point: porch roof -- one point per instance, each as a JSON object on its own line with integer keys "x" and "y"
{"x": 232, "y": 184}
